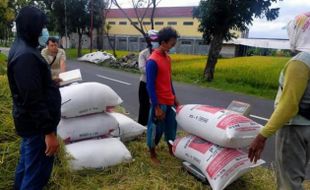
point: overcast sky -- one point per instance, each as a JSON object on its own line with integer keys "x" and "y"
{"x": 261, "y": 28}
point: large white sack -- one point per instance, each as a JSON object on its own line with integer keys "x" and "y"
{"x": 128, "y": 128}
{"x": 99, "y": 154}
{"x": 220, "y": 165}
{"x": 96, "y": 57}
{"x": 87, "y": 98}
{"x": 217, "y": 125}
{"x": 85, "y": 127}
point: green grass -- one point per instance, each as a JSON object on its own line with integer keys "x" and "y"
{"x": 255, "y": 75}
{"x": 3, "y": 60}
{"x": 139, "y": 174}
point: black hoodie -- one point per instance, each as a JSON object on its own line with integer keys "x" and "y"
{"x": 36, "y": 99}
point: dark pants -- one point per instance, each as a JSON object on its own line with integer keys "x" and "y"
{"x": 292, "y": 156}
{"x": 144, "y": 104}
{"x": 34, "y": 168}
{"x": 155, "y": 129}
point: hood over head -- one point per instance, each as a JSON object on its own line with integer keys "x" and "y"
{"x": 29, "y": 24}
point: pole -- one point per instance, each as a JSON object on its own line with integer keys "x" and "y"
{"x": 91, "y": 26}
{"x": 66, "y": 32}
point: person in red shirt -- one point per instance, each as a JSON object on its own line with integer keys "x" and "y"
{"x": 160, "y": 89}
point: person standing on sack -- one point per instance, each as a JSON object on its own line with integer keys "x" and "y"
{"x": 160, "y": 89}
{"x": 55, "y": 57}
{"x": 36, "y": 102}
{"x": 144, "y": 99}
{"x": 291, "y": 117}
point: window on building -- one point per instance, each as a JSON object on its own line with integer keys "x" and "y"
{"x": 159, "y": 23}
{"x": 172, "y": 23}
{"x": 202, "y": 43}
{"x": 133, "y": 39}
{"x": 188, "y": 23}
{"x": 146, "y": 23}
{"x": 111, "y": 23}
{"x": 122, "y": 23}
{"x": 186, "y": 42}
{"x": 134, "y": 23}
{"x": 122, "y": 40}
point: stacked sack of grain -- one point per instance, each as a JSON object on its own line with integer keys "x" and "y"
{"x": 87, "y": 128}
{"x": 83, "y": 111}
{"x": 214, "y": 145}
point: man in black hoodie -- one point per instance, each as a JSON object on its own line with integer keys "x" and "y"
{"x": 36, "y": 102}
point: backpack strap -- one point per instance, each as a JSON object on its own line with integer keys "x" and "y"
{"x": 53, "y": 61}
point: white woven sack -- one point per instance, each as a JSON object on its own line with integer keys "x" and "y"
{"x": 220, "y": 165}
{"x": 217, "y": 125}
{"x": 87, "y": 98}
{"x": 128, "y": 128}
{"x": 85, "y": 127}
{"x": 98, "y": 154}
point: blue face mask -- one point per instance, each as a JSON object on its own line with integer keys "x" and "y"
{"x": 44, "y": 36}
{"x": 155, "y": 45}
{"x": 172, "y": 50}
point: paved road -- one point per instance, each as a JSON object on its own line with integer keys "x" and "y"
{"x": 4, "y": 50}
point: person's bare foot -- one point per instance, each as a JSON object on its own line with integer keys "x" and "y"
{"x": 155, "y": 160}
{"x": 154, "y": 156}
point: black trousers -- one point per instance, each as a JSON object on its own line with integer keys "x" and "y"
{"x": 144, "y": 101}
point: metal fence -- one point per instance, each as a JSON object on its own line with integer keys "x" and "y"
{"x": 185, "y": 45}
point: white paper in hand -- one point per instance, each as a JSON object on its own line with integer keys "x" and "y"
{"x": 70, "y": 77}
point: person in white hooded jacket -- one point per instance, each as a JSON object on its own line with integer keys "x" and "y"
{"x": 290, "y": 120}
{"x": 144, "y": 100}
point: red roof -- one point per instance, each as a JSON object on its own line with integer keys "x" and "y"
{"x": 159, "y": 12}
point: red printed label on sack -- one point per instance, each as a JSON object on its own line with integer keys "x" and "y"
{"x": 209, "y": 109}
{"x": 200, "y": 145}
{"x": 221, "y": 160}
{"x": 231, "y": 120}
{"x": 235, "y": 167}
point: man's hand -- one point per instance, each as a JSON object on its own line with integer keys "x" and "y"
{"x": 52, "y": 144}
{"x": 57, "y": 81}
{"x": 176, "y": 102}
{"x": 256, "y": 148}
{"x": 159, "y": 113}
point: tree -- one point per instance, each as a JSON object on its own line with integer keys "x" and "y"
{"x": 7, "y": 15}
{"x": 100, "y": 7}
{"x": 141, "y": 9}
{"x": 78, "y": 17}
{"x": 77, "y": 14}
{"x": 107, "y": 27}
{"x": 217, "y": 18}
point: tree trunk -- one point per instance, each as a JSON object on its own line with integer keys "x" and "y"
{"x": 5, "y": 37}
{"x": 152, "y": 15}
{"x": 80, "y": 44}
{"x": 100, "y": 38}
{"x": 215, "y": 48}
{"x": 114, "y": 47}
{"x": 111, "y": 44}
